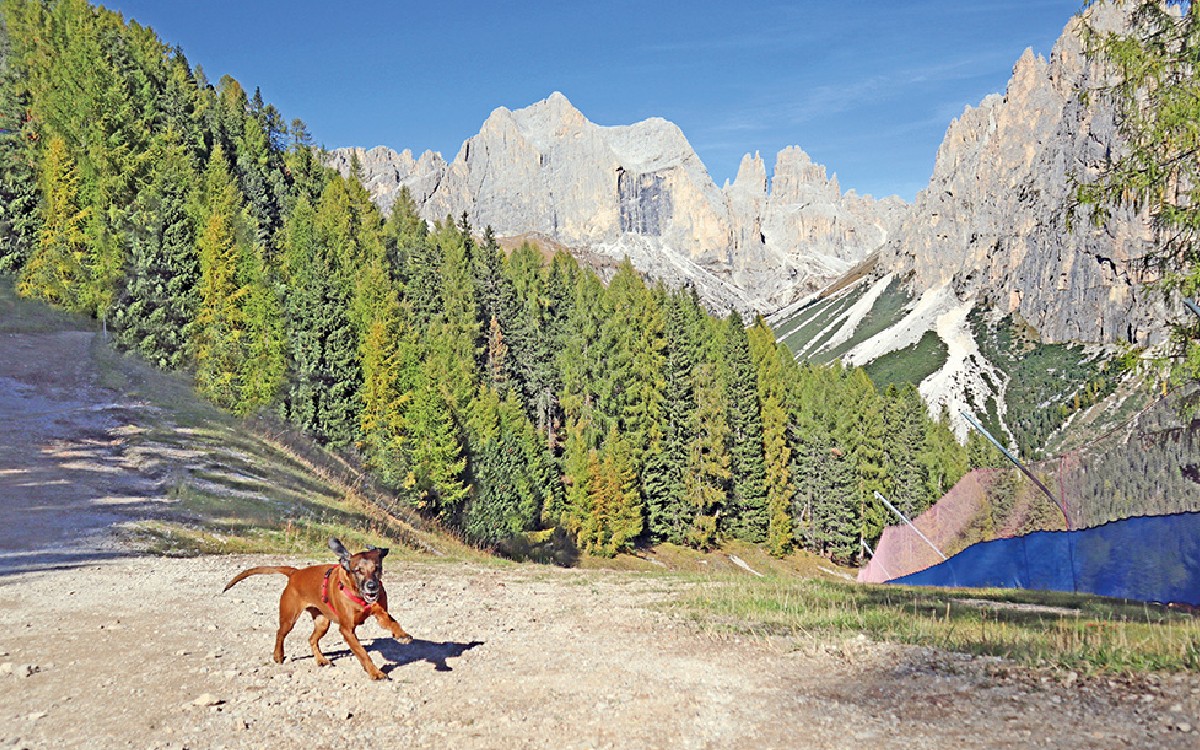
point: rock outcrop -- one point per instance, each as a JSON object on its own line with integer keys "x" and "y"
{"x": 995, "y": 222}
{"x": 640, "y": 191}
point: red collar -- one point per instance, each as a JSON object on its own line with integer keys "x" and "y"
{"x": 342, "y": 588}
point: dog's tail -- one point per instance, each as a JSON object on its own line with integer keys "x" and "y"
{"x": 282, "y": 569}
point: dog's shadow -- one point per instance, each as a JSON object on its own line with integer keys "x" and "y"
{"x": 399, "y": 655}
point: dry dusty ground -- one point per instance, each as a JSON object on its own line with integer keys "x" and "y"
{"x": 101, "y": 647}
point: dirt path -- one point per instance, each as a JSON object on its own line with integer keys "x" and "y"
{"x": 64, "y": 478}
{"x": 103, "y": 648}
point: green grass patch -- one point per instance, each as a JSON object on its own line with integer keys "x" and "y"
{"x": 912, "y": 364}
{"x": 1047, "y": 383}
{"x": 20, "y": 315}
{"x": 798, "y": 331}
{"x": 1033, "y": 628}
{"x": 888, "y": 310}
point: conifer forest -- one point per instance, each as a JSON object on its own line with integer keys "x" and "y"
{"x": 508, "y": 395}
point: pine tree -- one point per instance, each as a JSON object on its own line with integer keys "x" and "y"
{"x": 615, "y": 520}
{"x": 58, "y": 271}
{"x": 748, "y": 516}
{"x": 580, "y": 358}
{"x": 155, "y": 310}
{"x": 708, "y": 476}
{"x": 437, "y": 455}
{"x": 390, "y": 360}
{"x": 629, "y": 376}
{"x": 668, "y": 516}
{"x": 239, "y": 346}
{"x": 324, "y": 343}
{"x": 455, "y": 333}
{"x": 943, "y": 459}
{"x": 863, "y": 432}
{"x": 19, "y": 217}
{"x": 770, "y": 363}
{"x": 505, "y": 499}
{"x": 981, "y": 454}
{"x": 904, "y": 418}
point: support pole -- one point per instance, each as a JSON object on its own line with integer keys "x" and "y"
{"x": 871, "y": 553}
{"x": 1016, "y": 462}
{"x": 904, "y": 518}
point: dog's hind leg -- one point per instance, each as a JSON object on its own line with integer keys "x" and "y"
{"x": 289, "y": 612}
{"x": 320, "y": 628}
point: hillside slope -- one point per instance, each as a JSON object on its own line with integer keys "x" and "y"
{"x": 106, "y": 452}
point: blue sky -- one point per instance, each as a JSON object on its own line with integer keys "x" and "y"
{"x": 867, "y": 87}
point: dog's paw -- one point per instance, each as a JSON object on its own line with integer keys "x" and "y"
{"x": 323, "y": 662}
{"x": 404, "y": 638}
{"x": 378, "y": 674}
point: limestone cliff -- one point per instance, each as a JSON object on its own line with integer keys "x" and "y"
{"x": 995, "y": 223}
{"x": 640, "y": 191}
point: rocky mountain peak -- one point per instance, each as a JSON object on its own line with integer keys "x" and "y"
{"x": 551, "y": 118}
{"x": 798, "y": 178}
{"x": 640, "y": 191}
{"x": 751, "y": 176}
{"x": 995, "y": 223}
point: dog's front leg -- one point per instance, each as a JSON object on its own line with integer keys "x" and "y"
{"x": 389, "y": 623}
{"x": 352, "y": 641}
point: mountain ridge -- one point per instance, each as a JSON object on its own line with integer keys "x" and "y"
{"x": 640, "y": 191}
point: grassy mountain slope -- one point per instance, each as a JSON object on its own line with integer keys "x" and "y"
{"x": 1024, "y": 391}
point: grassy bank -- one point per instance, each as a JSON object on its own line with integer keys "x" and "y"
{"x": 1078, "y": 632}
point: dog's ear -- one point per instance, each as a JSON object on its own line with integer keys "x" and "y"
{"x": 382, "y": 552}
{"x": 340, "y": 550}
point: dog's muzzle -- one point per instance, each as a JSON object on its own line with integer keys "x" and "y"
{"x": 370, "y": 591}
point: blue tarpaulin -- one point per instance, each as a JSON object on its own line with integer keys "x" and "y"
{"x": 1147, "y": 558}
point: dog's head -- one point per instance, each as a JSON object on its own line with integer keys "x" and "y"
{"x": 365, "y": 568}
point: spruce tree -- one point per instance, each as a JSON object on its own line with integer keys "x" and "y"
{"x": 863, "y": 432}
{"x": 154, "y": 312}
{"x": 19, "y": 217}
{"x": 904, "y": 417}
{"x": 324, "y": 342}
{"x": 748, "y": 517}
{"x": 668, "y": 513}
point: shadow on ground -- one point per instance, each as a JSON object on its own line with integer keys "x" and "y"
{"x": 399, "y": 655}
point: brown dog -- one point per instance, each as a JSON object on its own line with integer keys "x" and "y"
{"x": 345, "y": 594}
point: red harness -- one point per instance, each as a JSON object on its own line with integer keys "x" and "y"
{"x": 342, "y": 588}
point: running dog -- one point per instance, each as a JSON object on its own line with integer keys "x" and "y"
{"x": 344, "y": 594}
